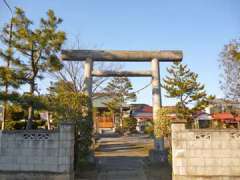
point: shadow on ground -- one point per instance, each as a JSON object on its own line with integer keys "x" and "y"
{"x": 116, "y": 147}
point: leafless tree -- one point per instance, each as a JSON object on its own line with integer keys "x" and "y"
{"x": 230, "y": 74}
{"x": 73, "y": 72}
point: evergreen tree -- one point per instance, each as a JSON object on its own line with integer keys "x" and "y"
{"x": 10, "y": 71}
{"x": 121, "y": 91}
{"x": 40, "y": 47}
{"x": 183, "y": 85}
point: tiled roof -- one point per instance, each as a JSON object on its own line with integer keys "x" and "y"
{"x": 223, "y": 116}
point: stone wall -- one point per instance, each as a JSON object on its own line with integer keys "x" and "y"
{"x": 205, "y": 153}
{"x": 39, "y": 152}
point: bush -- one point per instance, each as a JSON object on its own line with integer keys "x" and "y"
{"x": 149, "y": 128}
{"x": 170, "y": 156}
{"x": 15, "y": 125}
{"x": 119, "y": 130}
{"x": 18, "y": 125}
{"x": 130, "y": 124}
{"x": 15, "y": 113}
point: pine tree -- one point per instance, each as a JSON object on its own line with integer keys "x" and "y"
{"x": 183, "y": 85}
{"x": 121, "y": 91}
{"x": 10, "y": 71}
{"x": 40, "y": 47}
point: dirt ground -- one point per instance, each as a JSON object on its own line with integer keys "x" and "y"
{"x": 125, "y": 158}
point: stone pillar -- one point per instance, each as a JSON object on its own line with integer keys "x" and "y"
{"x": 178, "y": 148}
{"x": 155, "y": 88}
{"x": 88, "y": 67}
{"x": 66, "y": 148}
{"x": 156, "y": 99}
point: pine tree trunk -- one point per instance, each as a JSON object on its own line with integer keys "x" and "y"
{"x": 30, "y": 108}
{"x": 5, "y": 103}
{"x": 4, "y": 113}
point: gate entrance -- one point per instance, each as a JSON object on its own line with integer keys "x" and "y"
{"x": 154, "y": 57}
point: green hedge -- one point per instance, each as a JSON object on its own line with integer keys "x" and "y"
{"x": 129, "y": 124}
{"x": 17, "y": 125}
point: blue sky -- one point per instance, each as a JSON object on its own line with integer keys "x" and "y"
{"x": 199, "y": 28}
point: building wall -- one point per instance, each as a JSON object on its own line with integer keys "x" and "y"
{"x": 37, "y": 151}
{"x": 205, "y": 153}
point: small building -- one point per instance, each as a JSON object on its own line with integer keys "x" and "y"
{"x": 203, "y": 119}
{"x": 104, "y": 120}
{"x": 143, "y": 113}
{"x": 226, "y": 118}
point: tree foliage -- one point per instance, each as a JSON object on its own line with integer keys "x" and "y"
{"x": 40, "y": 47}
{"x": 10, "y": 71}
{"x": 130, "y": 124}
{"x": 182, "y": 84}
{"x": 162, "y": 126}
{"x": 121, "y": 91}
{"x": 68, "y": 105}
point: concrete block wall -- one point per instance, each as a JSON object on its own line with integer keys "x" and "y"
{"x": 205, "y": 153}
{"x": 38, "y": 151}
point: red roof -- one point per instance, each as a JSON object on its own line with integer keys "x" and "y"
{"x": 147, "y": 109}
{"x": 237, "y": 118}
{"x": 223, "y": 116}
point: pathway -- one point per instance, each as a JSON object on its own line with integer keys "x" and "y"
{"x": 122, "y": 158}
{"x": 125, "y": 158}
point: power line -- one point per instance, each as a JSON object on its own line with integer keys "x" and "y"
{"x": 8, "y": 6}
{"x": 143, "y": 88}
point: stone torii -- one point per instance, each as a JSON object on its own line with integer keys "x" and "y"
{"x": 89, "y": 56}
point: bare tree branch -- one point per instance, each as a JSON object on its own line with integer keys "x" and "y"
{"x": 73, "y": 71}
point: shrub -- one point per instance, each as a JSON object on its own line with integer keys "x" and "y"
{"x": 149, "y": 128}
{"x": 15, "y": 113}
{"x": 130, "y": 124}
{"x": 119, "y": 130}
{"x": 170, "y": 156}
{"x": 17, "y": 125}
{"x": 162, "y": 126}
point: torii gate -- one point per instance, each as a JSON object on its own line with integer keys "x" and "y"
{"x": 89, "y": 56}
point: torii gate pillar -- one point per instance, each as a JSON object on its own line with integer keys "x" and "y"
{"x": 156, "y": 99}
{"x": 88, "y": 67}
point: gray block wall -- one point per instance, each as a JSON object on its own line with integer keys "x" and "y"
{"x": 205, "y": 153}
{"x": 39, "y": 151}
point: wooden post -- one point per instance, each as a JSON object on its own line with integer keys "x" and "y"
{"x": 156, "y": 99}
